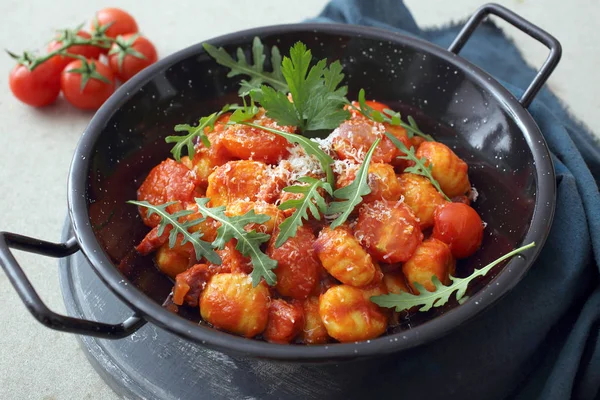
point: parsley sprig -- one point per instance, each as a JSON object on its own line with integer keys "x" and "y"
{"x": 317, "y": 101}
{"x": 256, "y": 72}
{"x": 352, "y": 195}
{"x": 389, "y": 116}
{"x": 201, "y": 247}
{"x": 248, "y": 242}
{"x": 427, "y": 300}
{"x": 193, "y": 132}
{"x": 422, "y": 166}
{"x": 311, "y": 200}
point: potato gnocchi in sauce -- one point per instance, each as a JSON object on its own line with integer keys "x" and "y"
{"x": 324, "y": 276}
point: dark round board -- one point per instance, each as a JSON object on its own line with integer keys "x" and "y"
{"x": 155, "y": 364}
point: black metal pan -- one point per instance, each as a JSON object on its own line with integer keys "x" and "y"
{"x": 452, "y": 99}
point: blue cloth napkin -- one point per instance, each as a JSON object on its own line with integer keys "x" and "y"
{"x": 542, "y": 341}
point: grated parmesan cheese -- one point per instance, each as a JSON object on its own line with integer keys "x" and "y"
{"x": 473, "y": 194}
{"x": 341, "y": 166}
{"x": 297, "y": 165}
{"x": 326, "y": 144}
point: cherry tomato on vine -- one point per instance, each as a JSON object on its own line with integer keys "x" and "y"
{"x": 39, "y": 87}
{"x": 87, "y": 84}
{"x": 87, "y": 51}
{"x": 121, "y": 22}
{"x": 130, "y": 54}
{"x": 460, "y": 227}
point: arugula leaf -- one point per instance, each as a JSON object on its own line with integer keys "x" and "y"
{"x": 310, "y": 147}
{"x": 289, "y": 226}
{"x": 243, "y": 113}
{"x": 248, "y": 243}
{"x": 389, "y": 116}
{"x": 316, "y": 101}
{"x": 202, "y": 248}
{"x": 352, "y": 194}
{"x": 256, "y": 72}
{"x": 182, "y": 141}
{"x": 441, "y": 295}
{"x": 420, "y": 167}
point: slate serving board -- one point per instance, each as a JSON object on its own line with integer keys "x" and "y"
{"x": 155, "y": 364}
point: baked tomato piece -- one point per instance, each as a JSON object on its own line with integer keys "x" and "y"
{"x": 389, "y": 231}
{"x": 233, "y": 259}
{"x": 208, "y": 227}
{"x": 459, "y": 226}
{"x": 249, "y": 143}
{"x": 353, "y": 138}
{"x": 230, "y": 302}
{"x": 344, "y": 258}
{"x": 168, "y": 181}
{"x": 297, "y": 264}
{"x": 421, "y": 196}
{"x": 236, "y": 180}
{"x": 432, "y": 257}
{"x": 349, "y": 316}
{"x": 286, "y": 320}
{"x": 152, "y": 241}
{"x": 314, "y": 331}
{"x": 217, "y": 153}
{"x": 190, "y": 283}
{"x": 446, "y": 167}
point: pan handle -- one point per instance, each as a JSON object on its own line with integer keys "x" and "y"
{"x": 36, "y": 306}
{"x": 525, "y": 26}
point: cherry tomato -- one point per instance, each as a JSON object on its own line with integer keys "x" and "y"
{"x": 37, "y": 88}
{"x": 126, "y": 48}
{"x": 460, "y": 227}
{"x": 95, "y": 92}
{"x": 87, "y": 51}
{"x": 122, "y": 22}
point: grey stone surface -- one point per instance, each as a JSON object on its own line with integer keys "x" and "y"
{"x": 37, "y": 145}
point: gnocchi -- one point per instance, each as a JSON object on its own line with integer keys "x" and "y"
{"x": 325, "y": 275}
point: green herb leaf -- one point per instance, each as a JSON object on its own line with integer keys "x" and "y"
{"x": 256, "y": 72}
{"x": 441, "y": 295}
{"x": 389, "y": 116}
{"x": 248, "y": 243}
{"x": 202, "y": 248}
{"x": 311, "y": 200}
{"x": 352, "y": 194}
{"x": 310, "y": 147}
{"x": 317, "y": 102}
{"x": 194, "y": 132}
{"x": 243, "y": 113}
{"x": 277, "y": 106}
{"x": 420, "y": 167}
